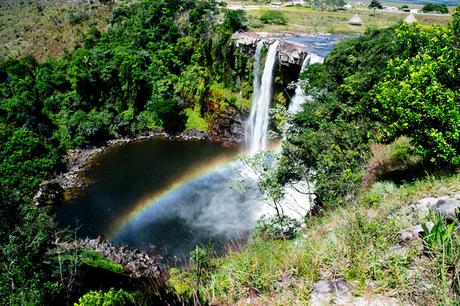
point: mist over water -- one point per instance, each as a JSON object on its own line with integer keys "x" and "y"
{"x": 209, "y": 209}
{"x": 171, "y": 195}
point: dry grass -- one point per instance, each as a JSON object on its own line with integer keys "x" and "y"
{"x": 47, "y": 31}
{"x": 307, "y": 20}
{"x": 355, "y": 242}
{"x": 391, "y": 160}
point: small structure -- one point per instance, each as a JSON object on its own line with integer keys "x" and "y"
{"x": 410, "y": 19}
{"x": 275, "y": 4}
{"x": 390, "y": 8}
{"x": 347, "y": 6}
{"x": 355, "y": 20}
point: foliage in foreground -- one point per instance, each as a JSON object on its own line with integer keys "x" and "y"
{"x": 357, "y": 242}
{"x": 110, "y": 298}
{"x": 385, "y": 84}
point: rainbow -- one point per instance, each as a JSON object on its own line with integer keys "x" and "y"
{"x": 145, "y": 203}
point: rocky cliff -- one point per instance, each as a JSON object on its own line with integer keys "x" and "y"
{"x": 289, "y": 53}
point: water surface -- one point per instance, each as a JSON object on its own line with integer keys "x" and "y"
{"x": 170, "y": 194}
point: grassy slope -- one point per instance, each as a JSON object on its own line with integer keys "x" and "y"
{"x": 356, "y": 242}
{"x": 46, "y": 30}
{"x": 307, "y": 20}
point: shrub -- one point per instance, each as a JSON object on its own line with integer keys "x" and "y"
{"x": 438, "y": 8}
{"x": 194, "y": 120}
{"x": 419, "y": 93}
{"x": 109, "y": 298}
{"x": 97, "y": 260}
{"x": 277, "y": 228}
{"x": 77, "y": 17}
{"x": 254, "y": 23}
{"x": 396, "y": 157}
{"x": 273, "y": 17}
{"x": 235, "y": 20}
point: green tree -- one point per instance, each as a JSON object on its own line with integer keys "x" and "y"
{"x": 375, "y": 4}
{"x": 419, "y": 94}
{"x": 438, "y": 8}
{"x": 235, "y": 20}
{"x": 273, "y": 17}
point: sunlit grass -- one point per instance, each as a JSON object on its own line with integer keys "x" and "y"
{"x": 355, "y": 242}
{"x": 308, "y": 20}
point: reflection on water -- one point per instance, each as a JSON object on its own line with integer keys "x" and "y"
{"x": 168, "y": 193}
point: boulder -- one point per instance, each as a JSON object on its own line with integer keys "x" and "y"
{"x": 49, "y": 192}
{"x": 446, "y": 208}
{"x": 413, "y": 233}
{"x": 338, "y": 292}
{"x": 327, "y": 292}
{"x": 423, "y": 206}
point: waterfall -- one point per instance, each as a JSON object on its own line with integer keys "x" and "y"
{"x": 257, "y": 124}
{"x": 299, "y": 97}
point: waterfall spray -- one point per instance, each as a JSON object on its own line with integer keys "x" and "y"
{"x": 299, "y": 97}
{"x": 257, "y": 124}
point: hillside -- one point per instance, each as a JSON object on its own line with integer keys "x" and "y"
{"x": 376, "y": 142}
{"x": 44, "y": 28}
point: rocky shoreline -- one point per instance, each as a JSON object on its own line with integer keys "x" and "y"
{"x": 67, "y": 183}
{"x": 136, "y": 263}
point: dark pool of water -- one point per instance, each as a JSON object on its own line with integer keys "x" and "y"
{"x": 153, "y": 193}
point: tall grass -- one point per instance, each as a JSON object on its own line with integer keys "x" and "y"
{"x": 358, "y": 243}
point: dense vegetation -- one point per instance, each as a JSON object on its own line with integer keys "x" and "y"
{"x": 159, "y": 64}
{"x": 385, "y": 106}
{"x": 169, "y": 64}
{"x": 44, "y": 28}
{"x": 380, "y": 86}
{"x": 435, "y": 8}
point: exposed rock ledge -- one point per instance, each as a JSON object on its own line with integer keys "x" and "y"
{"x": 77, "y": 160}
{"x": 134, "y": 262}
{"x": 289, "y": 53}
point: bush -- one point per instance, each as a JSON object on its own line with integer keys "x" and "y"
{"x": 419, "y": 93}
{"x": 254, "y": 23}
{"x": 235, "y": 20}
{"x": 391, "y": 159}
{"x": 77, "y": 17}
{"x": 273, "y": 17}
{"x": 276, "y": 228}
{"x": 97, "y": 260}
{"x": 109, "y": 298}
{"x": 438, "y": 8}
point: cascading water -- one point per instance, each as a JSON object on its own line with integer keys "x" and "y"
{"x": 257, "y": 124}
{"x": 176, "y": 195}
{"x": 299, "y": 97}
{"x": 257, "y": 75}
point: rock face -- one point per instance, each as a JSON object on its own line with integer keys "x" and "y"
{"x": 445, "y": 206}
{"x": 338, "y": 292}
{"x": 289, "y": 53}
{"x": 414, "y": 233}
{"x": 229, "y": 126}
{"x": 135, "y": 262}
